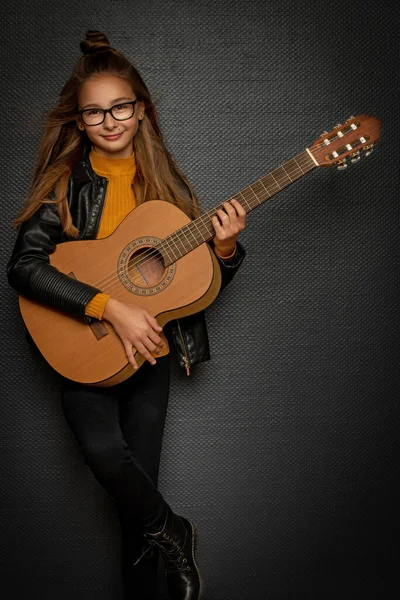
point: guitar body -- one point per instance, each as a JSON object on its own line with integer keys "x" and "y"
{"x": 127, "y": 266}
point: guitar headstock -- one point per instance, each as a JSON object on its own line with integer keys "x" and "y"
{"x": 358, "y": 135}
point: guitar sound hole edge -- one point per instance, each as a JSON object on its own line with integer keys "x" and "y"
{"x": 145, "y": 249}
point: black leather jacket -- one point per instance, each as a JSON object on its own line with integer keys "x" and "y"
{"x": 31, "y": 275}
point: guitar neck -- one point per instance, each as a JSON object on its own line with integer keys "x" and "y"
{"x": 201, "y": 230}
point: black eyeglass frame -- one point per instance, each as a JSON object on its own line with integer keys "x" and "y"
{"x": 108, "y": 110}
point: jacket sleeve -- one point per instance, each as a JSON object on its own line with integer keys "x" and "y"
{"x": 30, "y": 273}
{"x": 229, "y": 269}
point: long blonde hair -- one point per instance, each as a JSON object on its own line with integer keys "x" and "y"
{"x": 62, "y": 145}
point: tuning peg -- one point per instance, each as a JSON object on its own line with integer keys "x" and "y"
{"x": 355, "y": 156}
{"x": 341, "y": 165}
{"x": 337, "y": 126}
{"x": 324, "y": 135}
{"x": 350, "y": 118}
{"x": 368, "y": 150}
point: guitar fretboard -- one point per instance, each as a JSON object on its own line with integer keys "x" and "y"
{"x": 201, "y": 230}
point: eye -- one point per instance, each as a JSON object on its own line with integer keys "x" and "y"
{"x": 121, "y": 107}
{"x": 92, "y": 112}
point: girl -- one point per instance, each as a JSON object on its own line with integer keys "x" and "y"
{"x": 101, "y": 155}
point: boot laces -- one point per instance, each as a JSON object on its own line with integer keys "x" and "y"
{"x": 174, "y": 555}
{"x": 147, "y": 552}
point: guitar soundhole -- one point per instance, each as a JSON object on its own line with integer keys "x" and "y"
{"x": 146, "y": 267}
{"x": 141, "y": 268}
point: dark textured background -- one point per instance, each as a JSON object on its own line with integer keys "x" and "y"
{"x": 284, "y": 447}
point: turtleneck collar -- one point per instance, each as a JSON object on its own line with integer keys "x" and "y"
{"x": 112, "y": 166}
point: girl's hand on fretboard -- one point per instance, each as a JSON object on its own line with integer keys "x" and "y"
{"x": 228, "y": 223}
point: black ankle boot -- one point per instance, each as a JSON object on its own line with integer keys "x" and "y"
{"x": 177, "y": 542}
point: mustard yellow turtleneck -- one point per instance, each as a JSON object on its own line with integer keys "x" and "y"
{"x": 119, "y": 201}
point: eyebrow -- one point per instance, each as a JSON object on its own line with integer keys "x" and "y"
{"x": 113, "y": 102}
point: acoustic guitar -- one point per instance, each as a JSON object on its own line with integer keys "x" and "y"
{"x": 159, "y": 259}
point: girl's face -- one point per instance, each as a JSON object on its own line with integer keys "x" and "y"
{"x": 112, "y": 138}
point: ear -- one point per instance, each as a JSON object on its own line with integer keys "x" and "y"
{"x": 80, "y": 124}
{"x": 141, "y": 110}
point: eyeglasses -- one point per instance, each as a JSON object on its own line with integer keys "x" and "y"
{"x": 119, "y": 112}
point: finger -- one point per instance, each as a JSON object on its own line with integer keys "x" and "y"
{"x": 130, "y": 351}
{"x": 230, "y": 223}
{"x": 151, "y": 346}
{"x": 217, "y": 226}
{"x": 234, "y": 221}
{"x": 223, "y": 216}
{"x": 156, "y": 339}
{"x": 152, "y": 321}
{"x": 224, "y": 222}
{"x": 241, "y": 214}
{"x": 231, "y": 210}
{"x": 145, "y": 353}
{"x": 237, "y": 216}
{"x": 216, "y": 222}
{"x": 238, "y": 207}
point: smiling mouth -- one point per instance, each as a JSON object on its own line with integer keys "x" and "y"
{"x": 111, "y": 137}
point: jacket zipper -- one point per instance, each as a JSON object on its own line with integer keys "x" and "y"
{"x": 185, "y": 357}
{"x": 99, "y": 214}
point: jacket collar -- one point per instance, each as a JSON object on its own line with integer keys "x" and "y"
{"x": 83, "y": 169}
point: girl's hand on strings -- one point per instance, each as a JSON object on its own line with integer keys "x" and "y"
{"x": 229, "y": 222}
{"x": 137, "y": 329}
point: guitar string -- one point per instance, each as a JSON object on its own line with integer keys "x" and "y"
{"x": 179, "y": 235}
{"x": 112, "y": 282}
{"x": 249, "y": 197}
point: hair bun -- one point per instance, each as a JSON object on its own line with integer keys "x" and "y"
{"x": 96, "y": 41}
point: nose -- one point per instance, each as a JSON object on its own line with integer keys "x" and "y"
{"x": 109, "y": 122}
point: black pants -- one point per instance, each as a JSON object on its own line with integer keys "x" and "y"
{"x": 119, "y": 431}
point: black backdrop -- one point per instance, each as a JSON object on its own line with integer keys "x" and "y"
{"x": 283, "y": 448}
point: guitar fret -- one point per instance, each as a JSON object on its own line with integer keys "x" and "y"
{"x": 272, "y": 175}
{"x": 298, "y": 168}
{"x": 165, "y": 251}
{"x": 195, "y": 224}
{"x": 183, "y": 231}
{"x": 189, "y": 228}
{"x": 261, "y": 181}
{"x": 172, "y": 250}
{"x": 283, "y": 167}
{"x": 253, "y": 192}
{"x": 248, "y": 205}
{"x": 285, "y": 180}
{"x": 298, "y": 165}
{"x": 207, "y": 226}
{"x": 276, "y": 181}
{"x": 260, "y": 191}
